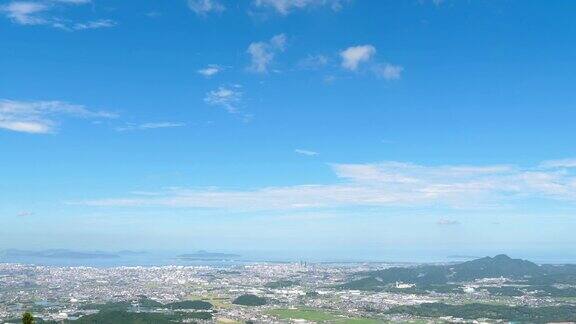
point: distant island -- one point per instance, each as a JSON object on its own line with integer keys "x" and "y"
{"x": 208, "y": 256}
{"x": 132, "y": 253}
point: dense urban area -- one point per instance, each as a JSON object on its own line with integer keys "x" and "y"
{"x": 489, "y": 289}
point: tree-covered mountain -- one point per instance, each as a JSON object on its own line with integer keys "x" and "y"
{"x": 249, "y": 300}
{"x": 487, "y": 267}
{"x": 498, "y": 266}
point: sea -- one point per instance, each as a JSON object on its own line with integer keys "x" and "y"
{"x": 391, "y": 256}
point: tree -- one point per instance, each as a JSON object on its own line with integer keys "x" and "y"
{"x": 27, "y": 318}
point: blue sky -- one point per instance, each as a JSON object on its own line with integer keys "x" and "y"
{"x": 313, "y": 127}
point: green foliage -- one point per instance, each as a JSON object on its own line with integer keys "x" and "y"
{"x": 498, "y": 266}
{"x": 565, "y": 313}
{"x": 379, "y": 280}
{"x": 315, "y": 315}
{"x": 110, "y": 306}
{"x": 123, "y": 317}
{"x": 149, "y": 303}
{"x": 27, "y": 318}
{"x": 551, "y": 291}
{"x": 505, "y": 291}
{"x": 318, "y": 315}
{"x": 436, "y": 277}
{"x": 280, "y": 284}
{"x": 312, "y": 294}
{"x": 190, "y": 304}
{"x": 249, "y": 300}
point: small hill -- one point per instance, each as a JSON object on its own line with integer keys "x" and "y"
{"x": 123, "y": 317}
{"x": 498, "y": 266}
{"x": 190, "y": 304}
{"x": 249, "y": 300}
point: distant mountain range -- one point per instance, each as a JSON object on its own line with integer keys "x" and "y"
{"x": 66, "y": 254}
{"x": 487, "y": 267}
{"x": 204, "y": 255}
{"x": 79, "y": 255}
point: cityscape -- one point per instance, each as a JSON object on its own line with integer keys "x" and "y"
{"x": 490, "y": 289}
{"x": 287, "y": 161}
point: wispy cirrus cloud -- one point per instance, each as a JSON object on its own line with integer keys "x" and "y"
{"x": 285, "y": 7}
{"x": 313, "y": 62}
{"x": 447, "y": 222}
{"x": 562, "y": 163}
{"x": 96, "y": 24}
{"x": 225, "y": 97}
{"x": 306, "y": 152}
{"x": 25, "y": 12}
{"x": 205, "y": 7}
{"x": 383, "y": 184}
{"x": 42, "y": 117}
{"x": 262, "y": 53}
{"x": 388, "y": 71}
{"x": 148, "y": 126}
{"x": 210, "y": 70}
{"x": 48, "y": 13}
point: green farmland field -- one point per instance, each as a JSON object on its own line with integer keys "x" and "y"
{"x": 318, "y": 315}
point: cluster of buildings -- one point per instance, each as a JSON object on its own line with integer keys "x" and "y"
{"x": 66, "y": 292}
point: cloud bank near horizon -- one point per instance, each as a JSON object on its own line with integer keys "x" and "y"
{"x": 382, "y": 184}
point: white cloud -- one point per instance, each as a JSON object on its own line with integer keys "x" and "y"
{"x": 388, "y": 71}
{"x": 77, "y": 2}
{"x": 563, "y": 163}
{"x": 204, "y": 7}
{"x": 382, "y": 184}
{"x": 27, "y": 126}
{"x": 262, "y": 53}
{"x": 284, "y": 7}
{"x": 39, "y": 117}
{"x": 96, "y": 24}
{"x": 447, "y": 222}
{"x": 25, "y": 214}
{"x": 146, "y": 126}
{"x": 313, "y": 62}
{"x": 25, "y": 12}
{"x": 306, "y": 152}
{"x": 353, "y": 56}
{"x": 226, "y": 97}
{"x": 42, "y": 13}
{"x": 210, "y": 70}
